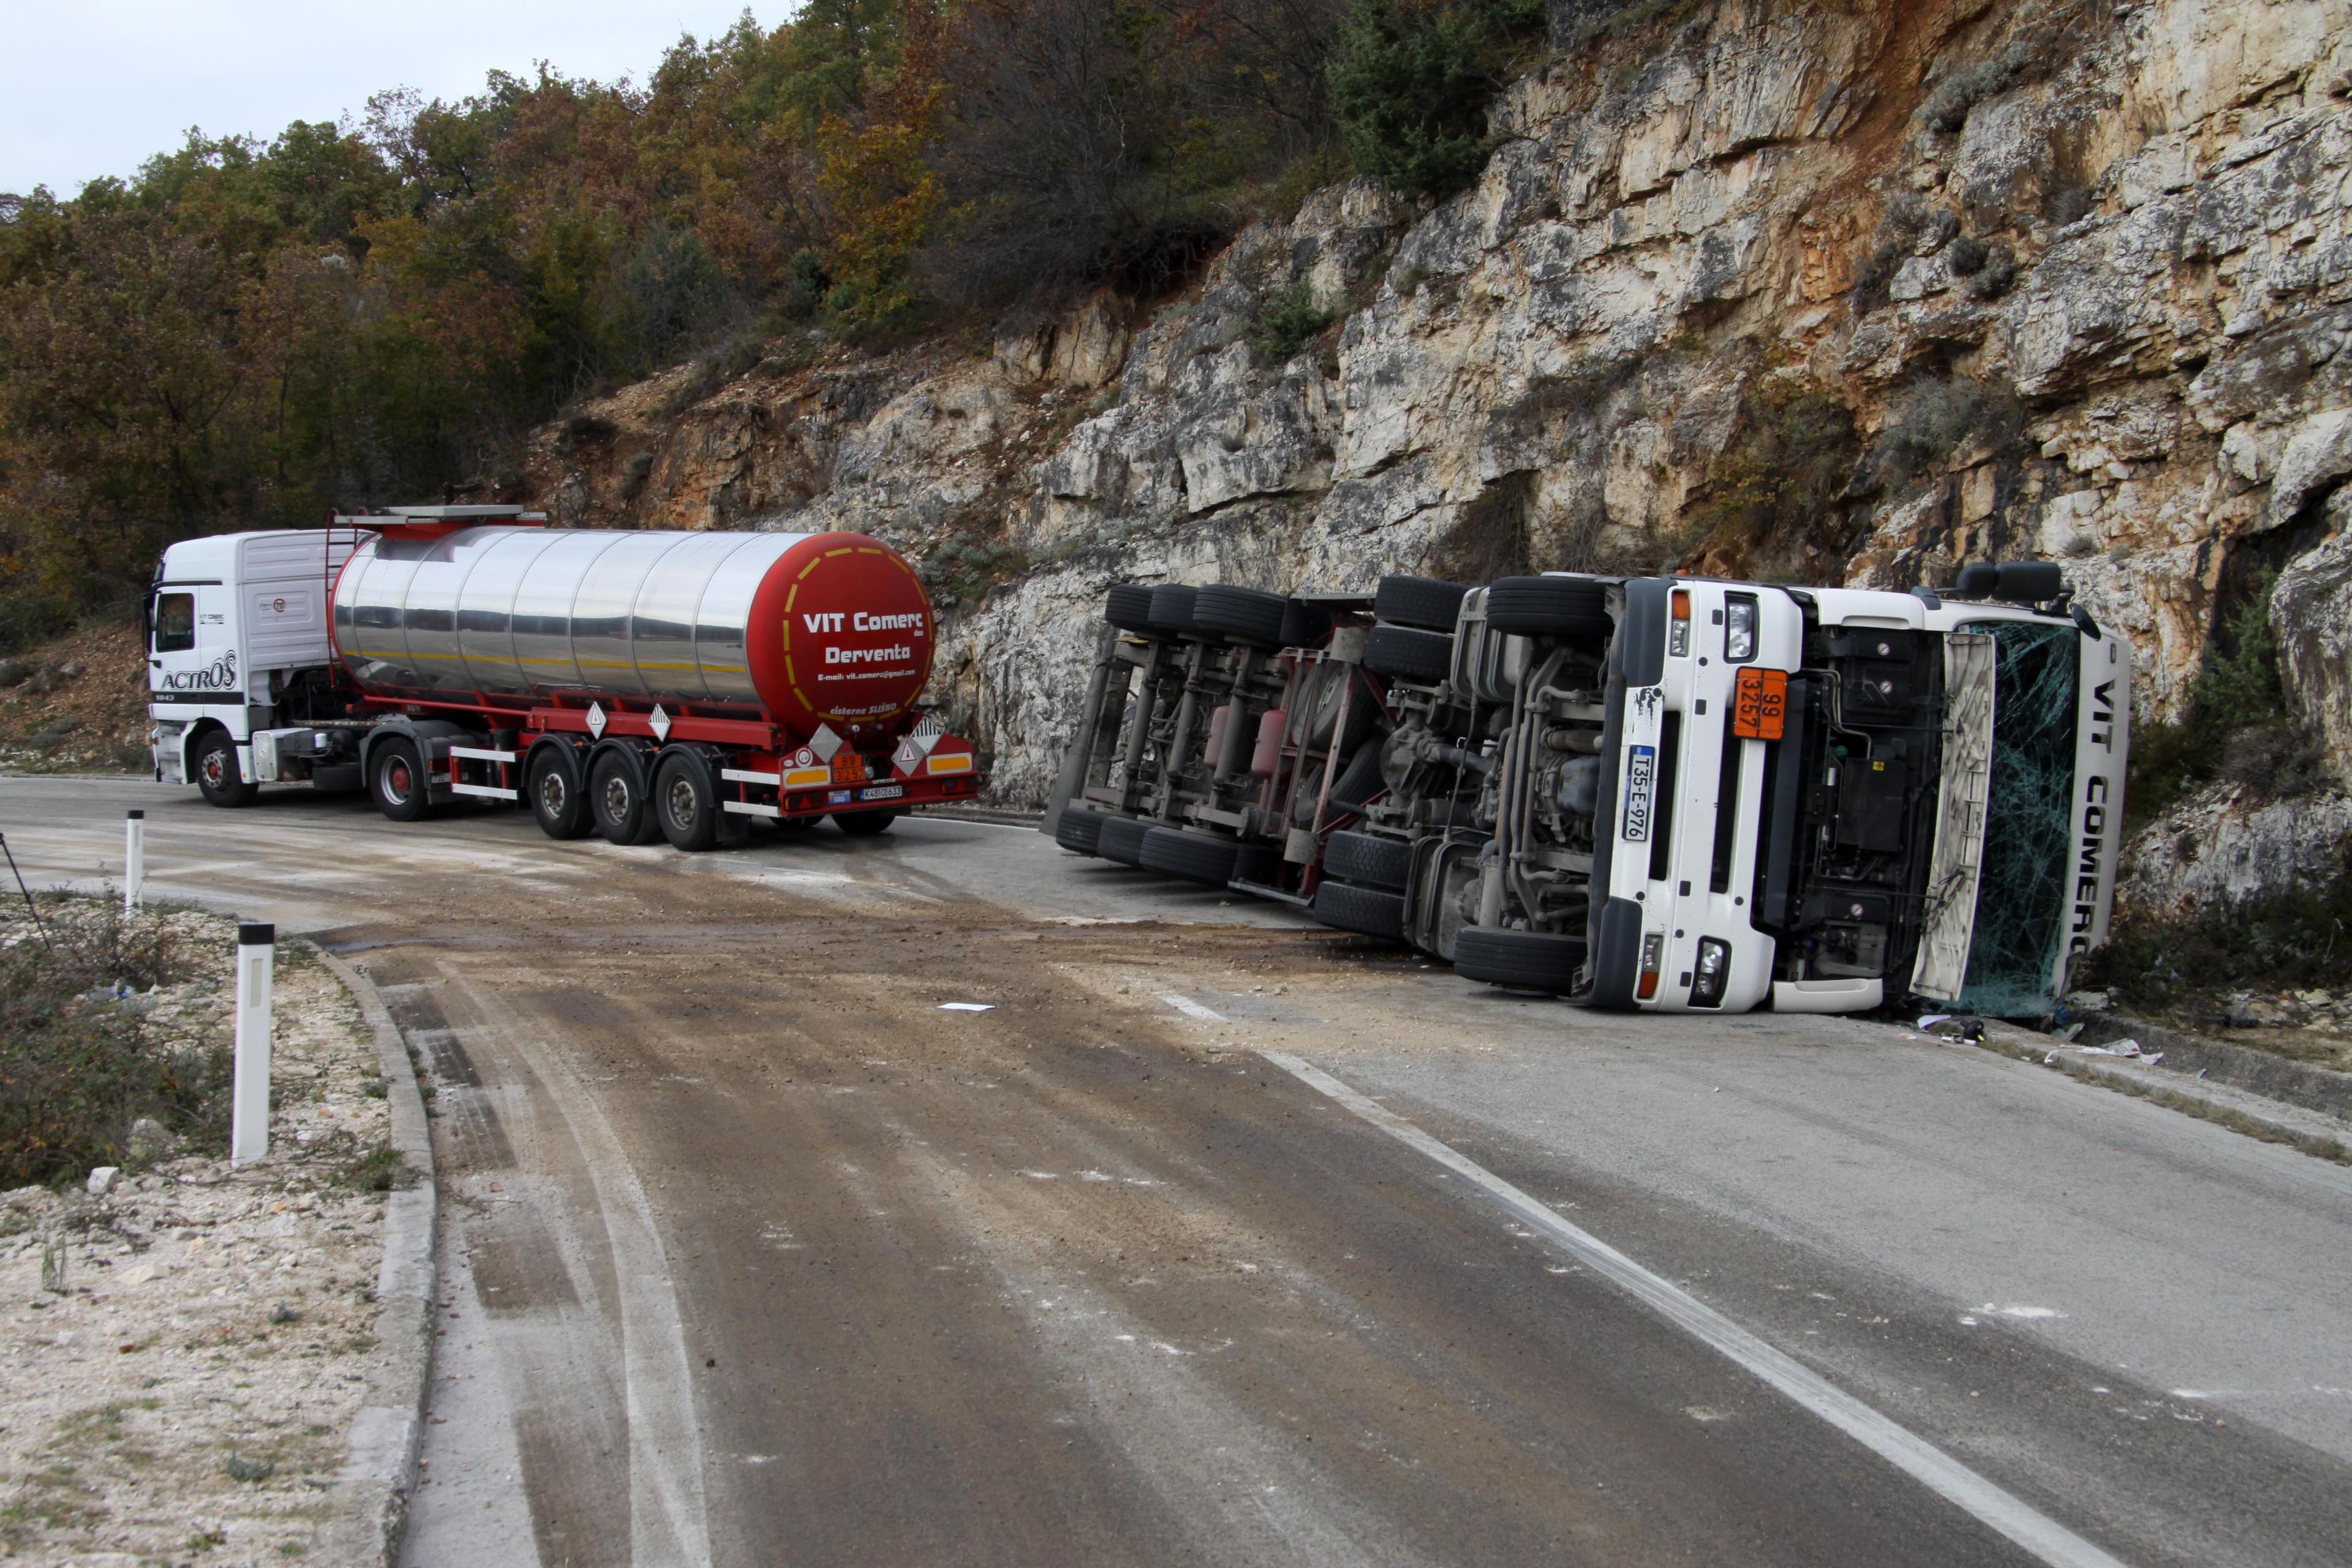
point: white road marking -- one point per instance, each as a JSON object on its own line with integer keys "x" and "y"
{"x": 1191, "y": 1009}
{"x": 1905, "y": 1450}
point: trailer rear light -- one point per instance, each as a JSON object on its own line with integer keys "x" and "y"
{"x": 1759, "y": 705}
{"x": 1654, "y": 950}
{"x": 1738, "y": 628}
{"x": 1678, "y": 639}
{"x": 1711, "y": 974}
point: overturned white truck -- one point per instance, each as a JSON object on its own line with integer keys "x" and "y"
{"x": 1664, "y": 793}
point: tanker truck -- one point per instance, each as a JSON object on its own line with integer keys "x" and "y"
{"x": 639, "y": 685}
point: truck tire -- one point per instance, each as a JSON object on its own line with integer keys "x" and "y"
{"x": 217, "y": 775}
{"x": 1079, "y": 831}
{"x": 1127, "y": 606}
{"x": 1359, "y": 781}
{"x": 1121, "y": 839}
{"x": 616, "y": 798}
{"x": 1247, "y": 614}
{"x": 1201, "y": 856}
{"x": 1365, "y": 858}
{"x": 1574, "y": 609}
{"x": 1364, "y": 911}
{"x": 558, "y": 799}
{"x": 1172, "y": 608}
{"x": 1522, "y": 960}
{"x": 864, "y": 824}
{"x": 1421, "y": 601}
{"x": 396, "y": 781}
{"x": 1415, "y": 655}
{"x": 685, "y": 804}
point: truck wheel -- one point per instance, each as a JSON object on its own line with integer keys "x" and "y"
{"x": 1361, "y": 910}
{"x": 864, "y": 824}
{"x": 1121, "y": 839}
{"x": 1421, "y": 601}
{"x": 1364, "y": 858}
{"x": 396, "y": 779}
{"x": 1522, "y": 960}
{"x": 1201, "y": 856}
{"x": 556, "y": 797}
{"x": 216, "y": 772}
{"x": 1249, "y": 613}
{"x": 1415, "y": 655}
{"x": 1127, "y": 606}
{"x": 685, "y": 805}
{"x": 1574, "y": 609}
{"x": 1079, "y": 830}
{"x": 617, "y": 800}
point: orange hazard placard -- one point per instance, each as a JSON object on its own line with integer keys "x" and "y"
{"x": 849, "y": 767}
{"x": 1760, "y": 704}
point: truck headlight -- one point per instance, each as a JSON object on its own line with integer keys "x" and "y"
{"x": 1711, "y": 974}
{"x": 1738, "y": 628}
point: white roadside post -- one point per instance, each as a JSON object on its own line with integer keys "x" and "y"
{"x": 134, "y": 858}
{"x": 256, "y": 948}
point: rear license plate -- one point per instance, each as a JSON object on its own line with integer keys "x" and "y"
{"x": 882, "y": 791}
{"x": 1641, "y": 775}
{"x": 1759, "y": 705}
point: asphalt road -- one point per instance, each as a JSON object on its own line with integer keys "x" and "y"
{"x": 754, "y": 1255}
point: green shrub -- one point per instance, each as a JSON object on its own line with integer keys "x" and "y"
{"x": 79, "y": 1062}
{"x": 1410, "y": 81}
{"x": 2299, "y": 938}
{"x": 1287, "y": 321}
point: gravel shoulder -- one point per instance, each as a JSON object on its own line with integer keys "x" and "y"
{"x": 181, "y": 1356}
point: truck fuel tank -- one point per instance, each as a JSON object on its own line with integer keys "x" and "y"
{"x": 806, "y": 628}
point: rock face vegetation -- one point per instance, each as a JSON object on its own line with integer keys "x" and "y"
{"x": 1052, "y": 294}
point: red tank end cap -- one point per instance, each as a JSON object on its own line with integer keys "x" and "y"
{"x": 842, "y": 633}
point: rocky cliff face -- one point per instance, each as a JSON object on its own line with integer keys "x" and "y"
{"x": 1820, "y": 289}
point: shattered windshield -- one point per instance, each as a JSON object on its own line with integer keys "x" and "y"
{"x": 2029, "y": 819}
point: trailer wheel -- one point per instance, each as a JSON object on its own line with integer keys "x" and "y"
{"x": 396, "y": 780}
{"x": 1121, "y": 839}
{"x": 1368, "y": 858}
{"x": 685, "y": 804}
{"x": 1421, "y": 601}
{"x": 1127, "y": 606}
{"x": 1415, "y": 655}
{"x": 556, "y": 798}
{"x": 617, "y": 799}
{"x": 1201, "y": 856}
{"x": 1365, "y": 910}
{"x": 216, "y": 772}
{"x": 864, "y": 824}
{"x": 1522, "y": 960}
{"x": 1249, "y": 613}
{"x": 1079, "y": 830}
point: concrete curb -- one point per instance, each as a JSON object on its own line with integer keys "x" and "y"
{"x": 2241, "y": 1066}
{"x": 370, "y": 1501}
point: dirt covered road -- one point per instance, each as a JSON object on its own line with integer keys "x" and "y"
{"x": 758, "y": 1255}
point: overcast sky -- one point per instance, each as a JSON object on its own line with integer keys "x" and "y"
{"x": 96, "y": 86}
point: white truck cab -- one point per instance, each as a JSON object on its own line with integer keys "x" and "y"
{"x": 240, "y": 658}
{"x": 1831, "y": 798}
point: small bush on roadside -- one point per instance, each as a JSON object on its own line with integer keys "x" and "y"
{"x": 80, "y": 1060}
{"x": 2298, "y": 939}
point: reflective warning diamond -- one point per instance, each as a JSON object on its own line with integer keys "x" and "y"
{"x": 660, "y": 722}
{"x": 596, "y": 719}
{"x": 824, "y": 742}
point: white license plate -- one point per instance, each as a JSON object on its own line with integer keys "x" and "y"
{"x": 882, "y": 791}
{"x": 1641, "y": 777}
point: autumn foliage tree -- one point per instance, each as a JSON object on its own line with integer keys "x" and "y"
{"x": 248, "y": 333}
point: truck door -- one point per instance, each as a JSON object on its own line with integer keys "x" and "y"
{"x": 192, "y": 659}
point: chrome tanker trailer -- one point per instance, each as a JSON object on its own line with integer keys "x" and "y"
{"x": 635, "y": 684}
